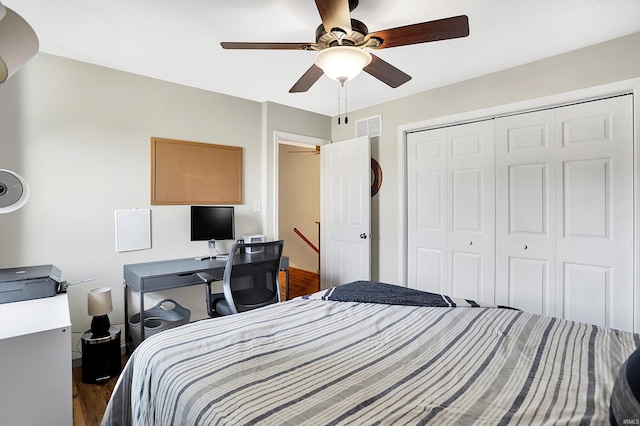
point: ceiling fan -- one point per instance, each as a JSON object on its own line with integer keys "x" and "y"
{"x": 341, "y": 40}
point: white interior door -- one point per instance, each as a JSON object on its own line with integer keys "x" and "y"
{"x": 472, "y": 207}
{"x": 451, "y": 211}
{"x": 564, "y": 183}
{"x": 525, "y": 212}
{"x": 345, "y": 243}
{"x": 594, "y": 188}
{"x": 427, "y": 177}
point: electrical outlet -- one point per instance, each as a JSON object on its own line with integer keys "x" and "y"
{"x": 257, "y": 207}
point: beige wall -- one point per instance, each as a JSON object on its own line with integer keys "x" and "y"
{"x": 603, "y": 63}
{"x": 280, "y": 118}
{"x": 80, "y": 135}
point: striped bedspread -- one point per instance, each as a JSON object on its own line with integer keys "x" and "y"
{"x": 322, "y": 362}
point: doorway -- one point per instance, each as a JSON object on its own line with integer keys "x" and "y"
{"x": 297, "y": 207}
{"x": 299, "y": 204}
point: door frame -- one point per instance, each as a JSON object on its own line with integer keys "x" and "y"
{"x": 631, "y": 86}
{"x": 290, "y": 139}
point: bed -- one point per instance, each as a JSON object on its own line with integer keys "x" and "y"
{"x": 373, "y": 353}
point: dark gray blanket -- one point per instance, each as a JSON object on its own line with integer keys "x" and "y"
{"x": 389, "y": 294}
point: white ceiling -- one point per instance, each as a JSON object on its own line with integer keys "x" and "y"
{"x": 179, "y": 41}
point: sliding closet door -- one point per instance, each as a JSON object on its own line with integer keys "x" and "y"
{"x": 594, "y": 189}
{"x": 525, "y": 206}
{"x": 451, "y": 211}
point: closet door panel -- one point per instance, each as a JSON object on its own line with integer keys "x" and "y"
{"x": 471, "y": 239}
{"x": 466, "y": 202}
{"x": 587, "y": 293}
{"x": 529, "y": 284}
{"x": 429, "y": 269}
{"x": 528, "y": 194}
{"x": 595, "y": 221}
{"x": 525, "y": 212}
{"x": 587, "y": 199}
{"x": 467, "y": 274}
{"x": 451, "y": 211}
{"x": 427, "y": 211}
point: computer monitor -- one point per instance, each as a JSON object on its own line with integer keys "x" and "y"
{"x": 211, "y": 223}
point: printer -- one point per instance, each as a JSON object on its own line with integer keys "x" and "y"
{"x": 32, "y": 282}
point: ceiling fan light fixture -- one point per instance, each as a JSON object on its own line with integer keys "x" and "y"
{"x": 338, "y": 33}
{"x": 342, "y": 63}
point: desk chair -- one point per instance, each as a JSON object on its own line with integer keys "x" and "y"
{"x": 251, "y": 279}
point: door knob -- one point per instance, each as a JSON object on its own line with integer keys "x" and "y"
{"x": 363, "y": 236}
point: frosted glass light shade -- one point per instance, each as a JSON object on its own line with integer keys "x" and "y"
{"x": 342, "y": 62}
{"x": 18, "y": 43}
{"x": 99, "y": 301}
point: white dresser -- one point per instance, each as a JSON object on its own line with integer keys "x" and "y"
{"x": 35, "y": 362}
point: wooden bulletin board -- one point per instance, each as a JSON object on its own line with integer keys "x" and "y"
{"x": 195, "y": 173}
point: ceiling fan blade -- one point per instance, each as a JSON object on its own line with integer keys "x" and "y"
{"x": 307, "y": 80}
{"x": 441, "y": 29}
{"x": 386, "y": 72}
{"x": 275, "y": 46}
{"x": 335, "y": 14}
{"x": 304, "y": 152}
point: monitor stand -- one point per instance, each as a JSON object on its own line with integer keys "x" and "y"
{"x": 213, "y": 252}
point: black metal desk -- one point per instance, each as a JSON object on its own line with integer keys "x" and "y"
{"x": 162, "y": 275}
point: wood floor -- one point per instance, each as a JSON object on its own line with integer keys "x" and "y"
{"x": 90, "y": 401}
{"x": 301, "y": 283}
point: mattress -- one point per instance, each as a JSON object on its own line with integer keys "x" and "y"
{"x": 339, "y": 359}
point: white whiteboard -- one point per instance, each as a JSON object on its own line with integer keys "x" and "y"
{"x": 133, "y": 230}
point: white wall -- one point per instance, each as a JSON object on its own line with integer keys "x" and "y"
{"x": 599, "y": 64}
{"x": 80, "y": 135}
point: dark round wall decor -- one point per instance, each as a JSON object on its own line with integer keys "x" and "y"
{"x": 377, "y": 177}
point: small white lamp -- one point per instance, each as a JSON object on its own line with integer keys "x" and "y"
{"x": 99, "y": 305}
{"x": 18, "y": 42}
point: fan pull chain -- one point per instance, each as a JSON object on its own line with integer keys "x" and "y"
{"x": 339, "y": 104}
{"x": 346, "y": 109}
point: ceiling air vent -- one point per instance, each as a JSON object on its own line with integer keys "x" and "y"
{"x": 371, "y": 126}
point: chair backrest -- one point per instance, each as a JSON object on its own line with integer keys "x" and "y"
{"x": 252, "y": 275}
